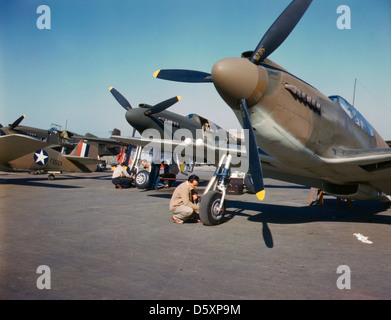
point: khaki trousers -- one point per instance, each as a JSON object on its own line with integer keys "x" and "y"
{"x": 183, "y": 213}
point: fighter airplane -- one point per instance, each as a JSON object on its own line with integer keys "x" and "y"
{"x": 36, "y": 150}
{"x": 296, "y": 132}
{"x": 63, "y": 140}
{"x": 164, "y": 124}
{"x": 156, "y": 117}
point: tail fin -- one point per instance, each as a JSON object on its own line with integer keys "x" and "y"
{"x": 116, "y": 132}
{"x": 86, "y": 150}
{"x": 85, "y": 156}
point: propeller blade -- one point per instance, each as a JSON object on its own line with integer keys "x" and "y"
{"x": 183, "y": 76}
{"x": 162, "y": 106}
{"x": 121, "y": 99}
{"x": 16, "y": 122}
{"x": 252, "y": 153}
{"x": 280, "y": 30}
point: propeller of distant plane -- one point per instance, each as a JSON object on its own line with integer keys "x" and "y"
{"x": 16, "y": 122}
{"x": 236, "y": 78}
{"x": 151, "y": 110}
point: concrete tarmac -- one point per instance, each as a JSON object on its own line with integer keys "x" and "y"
{"x": 101, "y": 243}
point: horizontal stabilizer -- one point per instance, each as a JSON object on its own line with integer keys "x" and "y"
{"x": 82, "y": 160}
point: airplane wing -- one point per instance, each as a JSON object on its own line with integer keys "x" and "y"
{"x": 198, "y": 149}
{"x": 104, "y": 141}
{"x": 360, "y": 157}
{"x": 372, "y": 165}
{"x": 14, "y": 146}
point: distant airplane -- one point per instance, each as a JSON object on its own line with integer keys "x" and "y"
{"x": 38, "y": 150}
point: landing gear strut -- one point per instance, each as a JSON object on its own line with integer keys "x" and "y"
{"x": 212, "y": 206}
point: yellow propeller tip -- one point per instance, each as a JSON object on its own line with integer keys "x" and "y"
{"x": 155, "y": 74}
{"x": 24, "y": 116}
{"x": 179, "y": 98}
{"x": 111, "y": 88}
{"x": 261, "y": 195}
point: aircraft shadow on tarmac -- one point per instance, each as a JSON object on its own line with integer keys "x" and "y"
{"x": 41, "y": 181}
{"x": 36, "y": 182}
{"x": 364, "y": 212}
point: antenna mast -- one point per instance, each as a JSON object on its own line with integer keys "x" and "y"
{"x": 354, "y": 92}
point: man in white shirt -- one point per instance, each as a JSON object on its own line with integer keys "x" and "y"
{"x": 121, "y": 178}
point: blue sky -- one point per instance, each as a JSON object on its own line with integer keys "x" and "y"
{"x": 64, "y": 74}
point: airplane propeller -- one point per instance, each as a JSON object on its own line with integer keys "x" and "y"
{"x": 151, "y": 110}
{"x": 16, "y": 122}
{"x": 250, "y": 84}
{"x": 280, "y": 30}
{"x": 190, "y": 76}
{"x": 252, "y": 152}
{"x": 121, "y": 99}
{"x": 162, "y": 106}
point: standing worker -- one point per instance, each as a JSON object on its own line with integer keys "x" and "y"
{"x": 184, "y": 201}
{"x": 155, "y": 169}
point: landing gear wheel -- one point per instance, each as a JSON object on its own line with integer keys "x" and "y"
{"x": 51, "y": 176}
{"x": 209, "y": 209}
{"x": 141, "y": 180}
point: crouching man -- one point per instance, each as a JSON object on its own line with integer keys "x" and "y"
{"x": 121, "y": 178}
{"x": 184, "y": 201}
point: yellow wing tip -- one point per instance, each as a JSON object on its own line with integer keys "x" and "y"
{"x": 155, "y": 74}
{"x": 261, "y": 195}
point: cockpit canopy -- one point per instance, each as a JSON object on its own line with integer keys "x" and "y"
{"x": 204, "y": 123}
{"x": 356, "y": 116}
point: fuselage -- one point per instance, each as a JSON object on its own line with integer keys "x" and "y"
{"x": 165, "y": 125}
{"x": 286, "y": 117}
{"x": 294, "y": 123}
{"x": 32, "y": 149}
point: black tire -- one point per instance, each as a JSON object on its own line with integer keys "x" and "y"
{"x": 208, "y": 209}
{"x": 141, "y": 179}
{"x": 248, "y": 182}
{"x": 51, "y": 177}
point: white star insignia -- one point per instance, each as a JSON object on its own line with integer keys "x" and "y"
{"x": 41, "y": 157}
